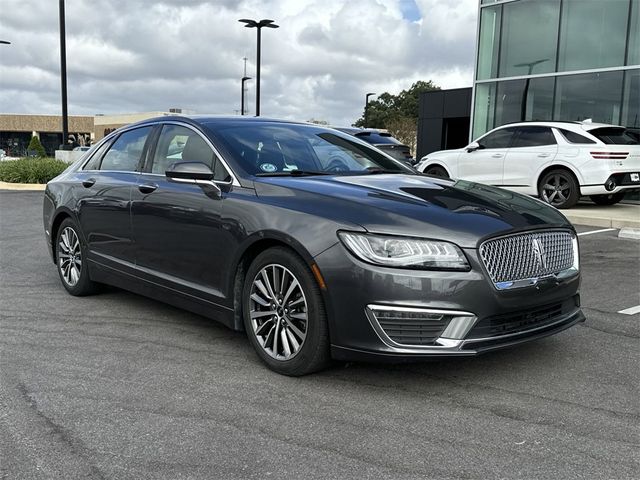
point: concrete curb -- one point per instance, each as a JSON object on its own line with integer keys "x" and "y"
{"x": 615, "y": 216}
{"x": 629, "y": 233}
{"x": 22, "y": 186}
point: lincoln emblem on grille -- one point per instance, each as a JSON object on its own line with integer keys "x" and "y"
{"x": 539, "y": 253}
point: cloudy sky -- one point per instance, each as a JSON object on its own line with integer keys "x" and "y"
{"x": 142, "y": 55}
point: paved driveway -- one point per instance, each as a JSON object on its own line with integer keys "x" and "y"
{"x": 119, "y": 386}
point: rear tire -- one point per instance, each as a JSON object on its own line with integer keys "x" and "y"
{"x": 436, "y": 171}
{"x": 284, "y": 314}
{"x": 71, "y": 260}
{"x": 559, "y": 188}
{"x": 611, "y": 199}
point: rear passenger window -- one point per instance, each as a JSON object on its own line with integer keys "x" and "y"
{"x": 125, "y": 153}
{"x": 534, "y": 137}
{"x": 573, "y": 137}
{"x": 94, "y": 161}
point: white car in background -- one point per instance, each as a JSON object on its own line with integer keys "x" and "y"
{"x": 557, "y": 161}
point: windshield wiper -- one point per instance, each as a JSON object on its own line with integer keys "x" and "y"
{"x": 291, "y": 173}
{"x": 378, "y": 170}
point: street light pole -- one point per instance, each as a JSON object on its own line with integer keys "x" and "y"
{"x": 4, "y": 42}
{"x": 242, "y": 109}
{"x": 259, "y": 25}
{"x": 63, "y": 77}
{"x": 366, "y": 108}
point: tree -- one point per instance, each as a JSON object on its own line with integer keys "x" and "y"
{"x": 35, "y": 148}
{"x": 387, "y": 107}
{"x": 318, "y": 122}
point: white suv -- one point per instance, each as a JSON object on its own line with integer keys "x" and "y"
{"x": 558, "y": 161}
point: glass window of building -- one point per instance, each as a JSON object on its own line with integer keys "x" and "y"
{"x": 489, "y": 42}
{"x": 631, "y": 102}
{"x": 592, "y": 34}
{"x": 633, "y": 50}
{"x": 592, "y": 95}
{"x": 529, "y": 37}
{"x": 484, "y": 108}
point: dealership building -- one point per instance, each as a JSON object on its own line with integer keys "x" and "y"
{"x": 542, "y": 60}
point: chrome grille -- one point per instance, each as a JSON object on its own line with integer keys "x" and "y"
{"x": 527, "y": 255}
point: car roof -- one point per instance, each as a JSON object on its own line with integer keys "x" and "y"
{"x": 584, "y": 125}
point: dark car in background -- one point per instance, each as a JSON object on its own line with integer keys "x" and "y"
{"x": 310, "y": 240}
{"x": 383, "y": 141}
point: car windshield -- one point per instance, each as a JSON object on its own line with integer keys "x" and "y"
{"x": 614, "y": 136}
{"x": 282, "y": 149}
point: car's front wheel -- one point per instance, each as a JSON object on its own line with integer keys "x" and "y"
{"x": 559, "y": 188}
{"x": 284, "y": 313}
{"x": 436, "y": 171}
{"x": 611, "y": 199}
{"x": 71, "y": 259}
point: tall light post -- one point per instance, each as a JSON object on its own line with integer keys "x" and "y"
{"x": 259, "y": 25}
{"x": 4, "y": 42}
{"x": 63, "y": 77}
{"x": 525, "y": 92}
{"x": 242, "y": 109}
{"x": 366, "y": 108}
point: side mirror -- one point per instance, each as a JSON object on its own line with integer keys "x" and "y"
{"x": 189, "y": 171}
{"x": 195, "y": 173}
{"x": 473, "y": 146}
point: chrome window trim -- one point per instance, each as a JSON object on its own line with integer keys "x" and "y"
{"x": 234, "y": 180}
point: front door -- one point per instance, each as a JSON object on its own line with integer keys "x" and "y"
{"x": 180, "y": 238}
{"x": 486, "y": 164}
{"x": 532, "y": 148}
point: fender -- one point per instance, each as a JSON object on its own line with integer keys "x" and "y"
{"x": 560, "y": 164}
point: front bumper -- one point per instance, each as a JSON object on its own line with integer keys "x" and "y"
{"x": 447, "y": 313}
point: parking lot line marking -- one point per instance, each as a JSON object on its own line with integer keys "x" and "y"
{"x": 597, "y": 231}
{"x": 630, "y": 310}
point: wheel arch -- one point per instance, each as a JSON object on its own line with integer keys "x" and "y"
{"x": 436, "y": 163}
{"x": 558, "y": 166}
{"x": 61, "y": 215}
{"x": 251, "y": 248}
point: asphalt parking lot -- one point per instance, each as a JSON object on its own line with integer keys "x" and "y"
{"x": 118, "y": 386}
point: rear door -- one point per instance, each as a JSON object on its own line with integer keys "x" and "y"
{"x": 104, "y": 205}
{"x": 486, "y": 164}
{"x": 532, "y": 148}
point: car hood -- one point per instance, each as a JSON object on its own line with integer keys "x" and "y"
{"x": 414, "y": 205}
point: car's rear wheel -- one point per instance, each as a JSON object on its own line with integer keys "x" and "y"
{"x": 284, "y": 313}
{"x": 559, "y": 188}
{"x": 611, "y": 199}
{"x": 72, "y": 260}
{"x": 436, "y": 171}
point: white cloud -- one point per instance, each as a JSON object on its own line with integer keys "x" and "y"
{"x": 128, "y": 56}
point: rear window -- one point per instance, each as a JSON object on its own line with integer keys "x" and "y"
{"x": 376, "y": 138}
{"x": 614, "y": 136}
{"x": 573, "y": 137}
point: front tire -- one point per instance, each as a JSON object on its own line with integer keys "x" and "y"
{"x": 559, "y": 188}
{"x": 436, "y": 171}
{"x": 611, "y": 199}
{"x": 284, "y": 314}
{"x": 71, "y": 259}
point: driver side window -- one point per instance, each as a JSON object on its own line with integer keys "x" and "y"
{"x": 178, "y": 144}
{"x": 498, "y": 139}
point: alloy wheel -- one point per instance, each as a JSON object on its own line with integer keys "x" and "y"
{"x": 69, "y": 256}
{"x": 556, "y": 190}
{"x": 278, "y": 312}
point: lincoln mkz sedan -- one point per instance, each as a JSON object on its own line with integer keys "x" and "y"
{"x": 313, "y": 242}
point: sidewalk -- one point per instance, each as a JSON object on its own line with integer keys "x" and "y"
{"x": 616, "y": 216}
{"x": 22, "y": 186}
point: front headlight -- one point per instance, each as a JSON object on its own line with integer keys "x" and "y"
{"x": 404, "y": 252}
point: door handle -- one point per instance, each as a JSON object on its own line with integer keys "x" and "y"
{"x": 147, "y": 187}
{"x": 88, "y": 183}
{"x": 543, "y": 155}
{"x": 497, "y": 155}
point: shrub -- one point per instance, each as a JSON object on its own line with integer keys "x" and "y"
{"x": 31, "y": 170}
{"x": 36, "y": 147}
